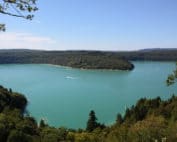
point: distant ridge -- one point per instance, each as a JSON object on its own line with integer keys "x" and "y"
{"x": 153, "y": 54}
{"x": 75, "y": 59}
{"x": 113, "y": 60}
{"x": 157, "y": 49}
{"x": 140, "y": 50}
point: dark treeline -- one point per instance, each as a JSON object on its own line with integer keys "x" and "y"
{"x": 76, "y": 59}
{"x": 87, "y": 59}
{"x": 148, "y": 121}
{"x": 150, "y": 55}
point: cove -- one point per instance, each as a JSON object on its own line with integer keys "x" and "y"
{"x": 64, "y": 96}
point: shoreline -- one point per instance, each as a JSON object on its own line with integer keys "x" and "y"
{"x": 84, "y": 69}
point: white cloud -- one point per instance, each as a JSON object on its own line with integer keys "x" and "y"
{"x": 25, "y": 40}
{"x": 9, "y": 40}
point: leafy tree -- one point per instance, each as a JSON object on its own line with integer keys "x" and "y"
{"x": 50, "y": 134}
{"x": 127, "y": 113}
{"x": 2, "y": 27}
{"x": 172, "y": 78}
{"x": 172, "y": 132}
{"x": 148, "y": 130}
{"x": 10, "y": 90}
{"x": 92, "y": 121}
{"x": 70, "y": 137}
{"x": 119, "y": 134}
{"x": 17, "y": 8}
{"x": 82, "y": 137}
{"x": 18, "y": 136}
{"x": 42, "y": 123}
{"x": 119, "y": 119}
{"x": 18, "y": 101}
{"x": 28, "y": 125}
{"x": 3, "y": 132}
{"x": 62, "y": 133}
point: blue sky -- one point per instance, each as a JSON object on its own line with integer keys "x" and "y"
{"x": 94, "y": 25}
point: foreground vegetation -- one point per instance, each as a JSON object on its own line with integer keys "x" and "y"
{"x": 147, "y": 121}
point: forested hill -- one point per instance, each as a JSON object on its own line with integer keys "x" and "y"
{"x": 155, "y": 54}
{"x": 76, "y": 59}
{"x": 87, "y": 59}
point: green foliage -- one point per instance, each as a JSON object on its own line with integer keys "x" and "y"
{"x": 119, "y": 119}
{"x": 3, "y": 132}
{"x": 14, "y": 126}
{"x": 142, "y": 109}
{"x": 148, "y": 130}
{"x": 18, "y": 136}
{"x": 2, "y": 27}
{"x": 172, "y": 78}
{"x": 171, "y": 133}
{"x": 28, "y": 125}
{"x": 42, "y": 123}
{"x": 92, "y": 122}
{"x": 75, "y": 59}
{"x": 118, "y": 133}
{"x": 51, "y": 134}
{"x": 157, "y": 122}
{"x": 12, "y": 100}
{"x": 20, "y": 8}
{"x": 150, "y": 55}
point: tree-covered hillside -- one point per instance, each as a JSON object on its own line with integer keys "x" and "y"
{"x": 75, "y": 59}
{"x": 87, "y": 59}
{"x": 151, "y": 55}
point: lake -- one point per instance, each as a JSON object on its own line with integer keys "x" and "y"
{"x": 64, "y": 96}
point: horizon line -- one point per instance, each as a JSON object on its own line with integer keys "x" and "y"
{"x": 143, "y": 49}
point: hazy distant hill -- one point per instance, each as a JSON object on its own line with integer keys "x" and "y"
{"x": 154, "y": 54}
{"x": 157, "y": 49}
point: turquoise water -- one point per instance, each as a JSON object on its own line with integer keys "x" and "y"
{"x": 64, "y": 96}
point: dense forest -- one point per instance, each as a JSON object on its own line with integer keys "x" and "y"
{"x": 87, "y": 59}
{"x": 155, "y": 54}
{"x": 75, "y": 59}
{"x": 149, "y": 120}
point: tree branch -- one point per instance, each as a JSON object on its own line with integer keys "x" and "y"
{"x": 17, "y": 8}
{"x": 11, "y": 14}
